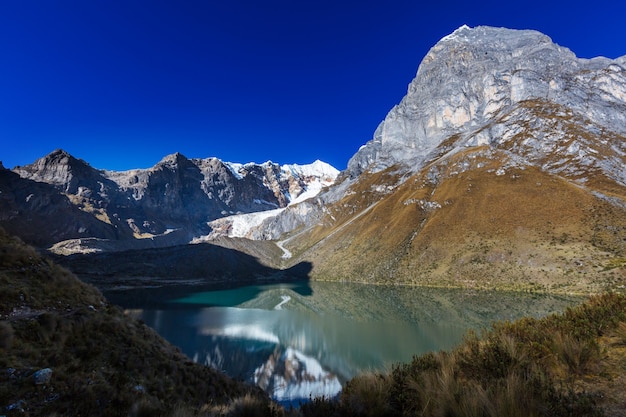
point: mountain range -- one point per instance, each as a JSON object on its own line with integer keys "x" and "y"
{"x": 502, "y": 167}
{"x": 61, "y": 200}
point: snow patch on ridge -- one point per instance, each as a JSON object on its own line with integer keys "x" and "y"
{"x": 286, "y": 252}
{"x": 238, "y": 225}
{"x": 234, "y": 169}
{"x": 311, "y": 179}
{"x": 457, "y": 33}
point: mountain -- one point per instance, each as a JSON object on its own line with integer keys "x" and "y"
{"x": 503, "y": 166}
{"x": 488, "y": 85}
{"x": 168, "y": 204}
{"x": 40, "y": 214}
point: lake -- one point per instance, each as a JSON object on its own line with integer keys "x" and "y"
{"x": 302, "y": 340}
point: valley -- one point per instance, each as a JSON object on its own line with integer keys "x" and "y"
{"x": 494, "y": 190}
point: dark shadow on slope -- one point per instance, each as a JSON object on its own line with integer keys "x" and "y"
{"x": 181, "y": 268}
{"x": 41, "y": 215}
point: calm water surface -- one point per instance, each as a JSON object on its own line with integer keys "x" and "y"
{"x": 307, "y": 339}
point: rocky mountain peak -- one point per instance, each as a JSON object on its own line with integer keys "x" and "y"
{"x": 173, "y": 160}
{"x": 475, "y": 76}
{"x": 61, "y": 169}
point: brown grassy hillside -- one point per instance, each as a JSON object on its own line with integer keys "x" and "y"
{"x": 463, "y": 221}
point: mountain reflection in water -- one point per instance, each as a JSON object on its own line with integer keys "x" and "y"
{"x": 304, "y": 340}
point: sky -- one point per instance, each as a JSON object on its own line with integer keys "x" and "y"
{"x": 122, "y": 83}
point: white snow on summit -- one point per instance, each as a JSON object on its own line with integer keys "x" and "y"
{"x": 316, "y": 169}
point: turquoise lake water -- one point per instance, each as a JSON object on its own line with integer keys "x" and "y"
{"x": 306, "y": 339}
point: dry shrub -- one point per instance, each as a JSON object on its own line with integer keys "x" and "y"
{"x": 620, "y": 332}
{"x": 368, "y": 395}
{"x": 317, "y": 407}
{"x": 143, "y": 408}
{"x": 445, "y": 392}
{"x": 181, "y": 412}
{"x": 514, "y": 396}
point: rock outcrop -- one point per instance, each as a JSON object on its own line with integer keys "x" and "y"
{"x": 511, "y": 90}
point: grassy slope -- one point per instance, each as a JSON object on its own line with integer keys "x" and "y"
{"x": 522, "y": 228}
{"x": 103, "y": 363}
{"x": 526, "y": 229}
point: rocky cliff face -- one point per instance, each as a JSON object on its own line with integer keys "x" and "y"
{"x": 39, "y": 214}
{"x": 476, "y": 83}
{"x": 169, "y": 203}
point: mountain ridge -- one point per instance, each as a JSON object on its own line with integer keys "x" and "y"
{"x": 170, "y": 202}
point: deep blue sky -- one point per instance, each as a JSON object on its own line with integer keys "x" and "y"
{"x": 123, "y": 83}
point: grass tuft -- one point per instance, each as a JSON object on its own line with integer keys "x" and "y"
{"x": 368, "y": 395}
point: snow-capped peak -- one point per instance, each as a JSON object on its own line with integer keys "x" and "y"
{"x": 322, "y": 170}
{"x": 318, "y": 169}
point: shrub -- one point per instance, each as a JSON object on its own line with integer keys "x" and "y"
{"x": 245, "y": 406}
{"x": 577, "y": 354}
{"x": 368, "y": 395}
{"x": 320, "y": 407}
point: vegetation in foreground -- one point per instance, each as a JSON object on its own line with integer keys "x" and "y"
{"x": 65, "y": 351}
